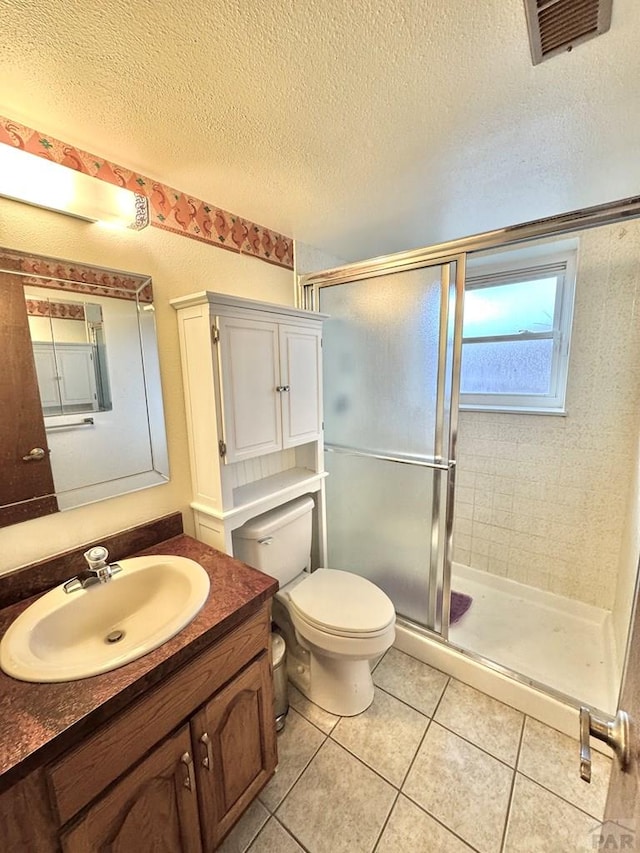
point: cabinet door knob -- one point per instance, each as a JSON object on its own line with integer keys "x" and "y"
{"x": 282, "y": 388}
{"x": 189, "y": 781}
{"x": 207, "y": 761}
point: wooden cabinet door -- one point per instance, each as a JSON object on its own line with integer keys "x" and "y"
{"x": 300, "y": 373}
{"x": 26, "y": 488}
{"x": 236, "y": 749}
{"x": 153, "y": 808}
{"x": 250, "y": 375}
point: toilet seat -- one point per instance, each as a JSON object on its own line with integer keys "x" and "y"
{"x": 342, "y": 604}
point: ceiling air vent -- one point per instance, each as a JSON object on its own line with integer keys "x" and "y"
{"x": 559, "y": 25}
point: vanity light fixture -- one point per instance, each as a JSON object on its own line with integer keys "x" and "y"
{"x": 35, "y": 180}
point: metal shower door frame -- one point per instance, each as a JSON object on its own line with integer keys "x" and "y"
{"x": 562, "y": 224}
{"x": 443, "y": 462}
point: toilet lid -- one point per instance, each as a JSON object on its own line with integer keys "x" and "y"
{"x": 341, "y": 601}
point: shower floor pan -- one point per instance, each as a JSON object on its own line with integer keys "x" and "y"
{"x": 565, "y": 644}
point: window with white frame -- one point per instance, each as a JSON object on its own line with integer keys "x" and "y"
{"x": 516, "y": 331}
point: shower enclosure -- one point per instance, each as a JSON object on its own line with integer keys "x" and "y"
{"x": 392, "y": 357}
{"x": 390, "y": 432}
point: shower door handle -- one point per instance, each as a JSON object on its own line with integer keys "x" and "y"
{"x": 615, "y": 733}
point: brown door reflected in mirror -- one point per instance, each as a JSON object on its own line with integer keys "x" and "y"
{"x": 26, "y": 485}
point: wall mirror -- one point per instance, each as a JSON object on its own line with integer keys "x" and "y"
{"x": 81, "y": 414}
{"x": 70, "y": 354}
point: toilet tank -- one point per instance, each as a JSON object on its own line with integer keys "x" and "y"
{"x": 277, "y": 542}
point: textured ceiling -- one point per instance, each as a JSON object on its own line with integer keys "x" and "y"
{"x": 360, "y": 127}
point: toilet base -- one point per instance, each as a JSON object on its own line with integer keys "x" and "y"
{"x": 341, "y": 687}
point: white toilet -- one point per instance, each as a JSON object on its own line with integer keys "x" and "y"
{"x": 335, "y": 623}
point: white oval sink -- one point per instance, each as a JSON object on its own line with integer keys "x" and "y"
{"x": 63, "y": 636}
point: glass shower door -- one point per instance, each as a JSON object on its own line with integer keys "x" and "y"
{"x": 390, "y": 377}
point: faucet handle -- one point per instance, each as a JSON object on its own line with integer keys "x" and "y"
{"x": 96, "y": 557}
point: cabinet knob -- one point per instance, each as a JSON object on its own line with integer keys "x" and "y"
{"x": 282, "y": 388}
{"x": 207, "y": 761}
{"x": 189, "y": 781}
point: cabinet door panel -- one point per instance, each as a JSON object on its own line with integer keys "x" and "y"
{"x": 151, "y": 808}
{"x": 300, "y": 370}
{"x": 250, "y": 374}
{"x": 240, "y": 755}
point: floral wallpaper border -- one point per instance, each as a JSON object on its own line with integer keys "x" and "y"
{"x": 41, "y": 271}
{"x": 57, "y": 310}
{"x": 169, "y": 208}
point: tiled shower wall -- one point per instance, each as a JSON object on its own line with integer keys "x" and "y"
{"x": 542, "y": 499}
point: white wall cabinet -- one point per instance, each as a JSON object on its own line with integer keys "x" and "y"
{"x": 66, "y": 377}
{"x": 253, "y": 393}
{"x": 301, "y": 382}
{"x": 270, "y": 386}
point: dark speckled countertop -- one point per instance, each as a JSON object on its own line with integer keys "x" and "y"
{"x": 39, "y": 721}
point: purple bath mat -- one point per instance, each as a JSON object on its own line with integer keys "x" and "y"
{"x": 460, "y": 603}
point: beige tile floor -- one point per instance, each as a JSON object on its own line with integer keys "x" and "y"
{"x": 433, "y": 766}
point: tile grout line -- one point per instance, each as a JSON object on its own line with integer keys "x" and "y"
{"x": 292, "y": 835}
{"x": 315, "y": 725}
{"x": 373, "y": 769}
{"x": 559, "y": 796}
{"x": 440, "y": 822}
{"x": 472, "y": 743}
{"x": 408, "y": 704}
{"x": 451, "y": 678}
{"x": 398, "y": 788}
{"x": 382, "y": 657}
{"x": 418, "y": 805}
{"x": 353, "y": 754}
{"x": 413, "y": 657}
{"x": 359, "y": 760}
{"x": 245, "y": 847}
{"x": 384, "y": 825}
{"x": 443, "y": 725}
{"x": 507, "y": 817}
{"x": 415, "y": 755}
{"x": 429, "y": 721}
{"x": 363, "y": 762}
{"x": 411, "y": 800}
{"x": 547, "y": 789}
{"x": 298, "y": 777}
{"x": 284, "y": 829}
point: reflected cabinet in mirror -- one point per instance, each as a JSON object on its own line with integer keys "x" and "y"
{"x": 81, "y": 415}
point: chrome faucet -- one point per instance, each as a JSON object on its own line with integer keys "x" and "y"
{"x": 98, "y": 571}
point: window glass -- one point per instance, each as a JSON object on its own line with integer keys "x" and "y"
{"x": 509, "y": 309}
{"x": 507, "y": 367}
{"x": 515, "y": 340}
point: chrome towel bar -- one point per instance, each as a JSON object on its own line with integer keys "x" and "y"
{"x": 83, "y": 422}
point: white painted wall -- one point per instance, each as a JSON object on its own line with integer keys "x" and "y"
{"x": 311, "y": 259}
{"x": 64, "y": 331}
{"x": 542, "y": 499}
{"x": 178, "y": 266}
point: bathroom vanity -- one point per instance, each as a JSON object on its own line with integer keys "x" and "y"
{"x": 164, "y": 753}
